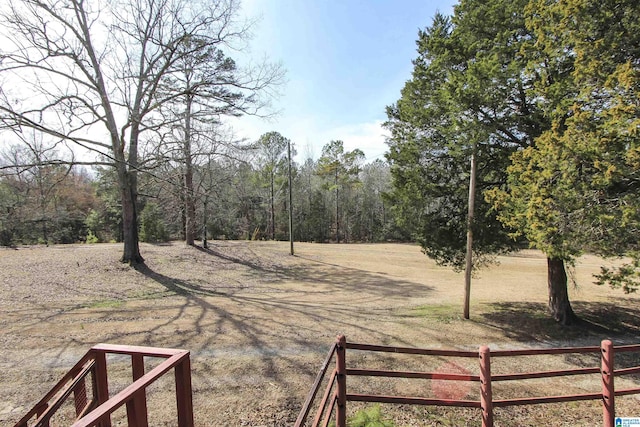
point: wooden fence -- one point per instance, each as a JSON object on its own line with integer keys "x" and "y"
{"x": 335, "y": 397}
{"x": 95, "y": 408}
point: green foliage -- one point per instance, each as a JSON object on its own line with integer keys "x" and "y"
{"x": 6, "y": 237}
{"x": 105, "y": 220}
{"x": 339, "y": 170}
{"x": 626, "y": 276}
{"x": 272, "y": 152}
{"x": 152, "y": 227}
{"x": 91, "y": 238}
{"x": 369, "y": 417}
{"x": 338, "y": 167}
{"x": 272, "y": 163}
{"x": 236, "y": 204}
{"x": 93, "y": 222}
{"x": 578, "y": 188}
{"x": 467, "y": 90}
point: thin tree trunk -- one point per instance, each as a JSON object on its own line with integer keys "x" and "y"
{"x": 204, "y": 223}
{"x": 559, "y": 304}
{"x": 272, "y": 211}
{"x": 43, "y": 217}
{"x": 183, "y": 214}
{"x": 469, "y": 257}
{"x": 190, "y": 206}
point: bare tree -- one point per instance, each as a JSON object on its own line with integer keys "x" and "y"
{"x": 34, "y": 160}
{"x": 47, "y": 198}
{"x": 212, "y": 85}
{"x": 91, "y": 73}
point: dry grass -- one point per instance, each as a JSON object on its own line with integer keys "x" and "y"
{"x": 259, "y": 322}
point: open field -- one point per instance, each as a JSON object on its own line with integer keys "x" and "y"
{"x": 259, "y": 322}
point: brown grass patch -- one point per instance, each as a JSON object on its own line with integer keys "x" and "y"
{"x": 259, "y": 321}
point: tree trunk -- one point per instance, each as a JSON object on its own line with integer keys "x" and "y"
{"x": 205, "y": 217}
{"x": 128, "y": 177}
{"x": 190, "y": 206}
{"x": 131, "y": 254}
{"x": 127, "y": 182}
{"x": 559, "y": 304}
{"x": 43, "y": 217}
{"x": 272, "y": 208}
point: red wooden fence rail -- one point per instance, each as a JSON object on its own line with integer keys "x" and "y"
{"x": 336, "y": 394}
{"x": 96, "y": 410}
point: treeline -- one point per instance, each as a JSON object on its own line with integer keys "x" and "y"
{"x": 245, "y": 196}
{"x": 45, "y": 205}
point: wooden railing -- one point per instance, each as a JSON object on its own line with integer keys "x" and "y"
{"x": 95, "y": 408}
{"x": 333, "y": 403}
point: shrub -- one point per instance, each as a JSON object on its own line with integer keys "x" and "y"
{"x": 6, "y": 238}
{"x": 369, "y": 417}
{"x": 91, "y": 238}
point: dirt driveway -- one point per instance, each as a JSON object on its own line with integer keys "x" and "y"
{"x": 259, "y": 322}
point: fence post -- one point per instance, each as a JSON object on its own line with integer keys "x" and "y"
{"x": 341, "y": 376}
{"x": 101, "y": 389}
{"x": 184, "y": 394}
{"x": 486, "y": 395}
{"x": 608, "y": 390}
{"x": 137, "y": 407}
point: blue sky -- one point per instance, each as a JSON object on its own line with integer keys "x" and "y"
{"x": 346, "y": 60}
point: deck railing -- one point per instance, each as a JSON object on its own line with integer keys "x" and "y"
{"x": 333, "y": 403}
{"x": 95, "y": 408}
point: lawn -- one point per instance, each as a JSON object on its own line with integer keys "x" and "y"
{"x": 259, "y": 322}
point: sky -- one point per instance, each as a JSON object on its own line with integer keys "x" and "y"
{"x": 346, "y": 60}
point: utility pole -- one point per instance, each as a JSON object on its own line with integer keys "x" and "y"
{"x": 290, "y": 198}
{"x": 469, "y": 260}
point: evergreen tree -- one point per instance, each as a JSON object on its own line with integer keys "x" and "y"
{"x": 577, "y": 189}
{"x": 272, "y": 152}
{"x": 467, "y": 94}
{"x": 340, "y": 170}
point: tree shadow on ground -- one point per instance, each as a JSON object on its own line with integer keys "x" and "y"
{"x": 370, "y": 286}
{"x": 617, "y": 320}
{"x": 530, "y": 321}
{"x": 255, "y": 318}
{"x": 254, "y": 264}
{"x": 317, "y": 272}
{"x": 255, "y": 340}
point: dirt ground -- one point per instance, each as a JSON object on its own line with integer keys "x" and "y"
{"x": 258, "y": 323}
